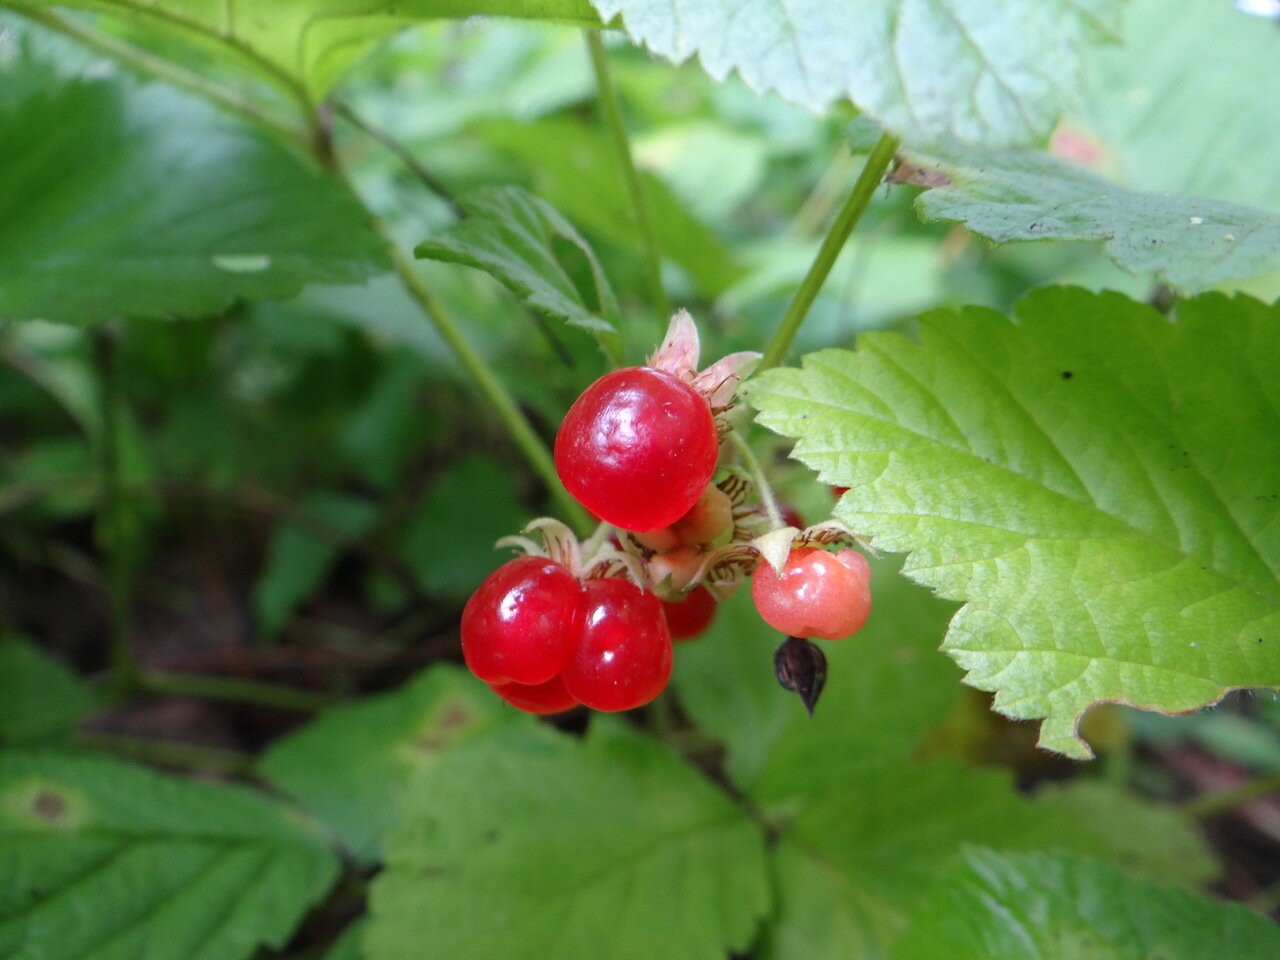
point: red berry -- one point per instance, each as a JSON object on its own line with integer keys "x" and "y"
{"x": 820, "y": 594}
{"x": 637, "y": 448}
{"x": 549, "y": 697}
{"x": 522, "y": 623}
{"x": 688, "y": 617}
{"x": 623, "y": 655}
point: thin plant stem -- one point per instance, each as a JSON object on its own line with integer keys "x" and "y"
{"x": 166, "y": 70}
{"x": 1212, "y": 804}
{"x": 233, "y": 689}
{"x": 113, "y": 520}
{"x": 522, "y": 432}
{"x": 872, "y": 174}
{"x": 170, "y": 753}
{"x": 612, "y": 112}
{"x": 757, "y": 474}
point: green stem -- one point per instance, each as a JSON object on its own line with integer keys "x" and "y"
{"x": 1211, "y": 804}
{"x": 522, "y": 432}
{"x": 870, "y": 178}
{"x": 168, "y": 753}
{"x": 762, "y": 482}
{"x": 113, "y": 519}
{"x": 234, "y": 689}
{"x": 612, "y": 112}
{"x": 165, "y": 70}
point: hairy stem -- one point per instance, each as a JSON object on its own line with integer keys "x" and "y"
{"x": 872, "y": 174}
{"x": 401, "y": 152}
{"x": 165, "y": 70}
{"x": 612, "y": 112}
{"x": 761, "y": 481}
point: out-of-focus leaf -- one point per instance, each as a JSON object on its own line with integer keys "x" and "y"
{"x": 120, "y": 200}
{"x": 40, "y": 697}
{"x": 543, "y": 846}
{"x": 1046, "y": 907}
{"x": 351, "y": 766}
{"x": 113, "y": 861}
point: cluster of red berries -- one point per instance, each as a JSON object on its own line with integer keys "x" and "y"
{"x": 639, "y": 449}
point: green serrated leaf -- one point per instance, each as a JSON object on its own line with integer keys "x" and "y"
{"x": 120, "y": 200}
{"x": 305, "y": 46}
{"x": 1100, "y": 484}
{"x": 1192, "y": 243}
{"x": 981, "y": 71}
{"x": 351, "y": 766}
{"x": 106, "y": 859}
{"x": 512, "y": 235}
{"x": 548, "y": 847}
{"x": 299, "y": 558}
{"x": 1041, "y": 907}
{"x": 39, "y": 696}
{"x": 853, "y": 862}
{"x": 884, "y": 688}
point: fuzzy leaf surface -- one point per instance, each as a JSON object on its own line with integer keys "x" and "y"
{"x": 120, "y": 200}
{"x": 114, "y": 861}
{"x": 350, "y": 766}
{"x": 1100, "y": 485}
{"x": 980, "y": 71}
{"x": 1045, "y": 907}
{"x": 544, "y": 846}
{"x": 1191, "y": 243}
{"x": 515, "y": 237}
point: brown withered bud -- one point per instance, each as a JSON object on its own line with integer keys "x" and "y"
{"x": 801, "y": 667}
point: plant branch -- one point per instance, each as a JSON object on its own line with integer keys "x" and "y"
{"x": 401, "y": 152}
{"x": 233, "y": 689}
{"x": 872, "y": 174}
{"x": 517, "y": 424}
{"x": 113, "y": 520}
{"x": 612, "y": 112}
{"x": 762, "y": 482}
{"x": 170, "y": 753}
{"x": 1211, "y": 804}
{"x": 165, "y": 70}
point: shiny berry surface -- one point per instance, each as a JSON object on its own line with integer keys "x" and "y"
{"x": 638, "y": 448}
{"x": 520, "y": 626}
{"x": 820, "y": 594}
{"x": 623, "y": 655}
{"x": 549, "y": 697}
{"x": 690, "y": 616}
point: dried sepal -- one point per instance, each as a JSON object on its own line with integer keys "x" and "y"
{"x": 736, "y": 485}
{"x": 775, "y": 546}
{"x": 678, "y": 355}
{"x": 719, "y": 382}
{"x": 612, "y": 562}
{"x": 558, "y": 543}
{"x": 832, "y": 532}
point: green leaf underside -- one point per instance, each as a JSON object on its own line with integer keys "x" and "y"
{"x": 305, "y": 46}
{"x": 115, "y": 861}
{"x": 884, "y": 688}
{"x": 543, "y": 846}
{"x": 120, "y": 200}
{"x": 509, "y": 233}
{"x": 39, "y": 696}
{"x": 1099, "y": 484}
{"x": 1040, "y": 907}
{"x": 854, "y": 862}
{"x": 980, "y": 71}
{"x": 351, "y": 766}
{"x": 1190, "y": 242}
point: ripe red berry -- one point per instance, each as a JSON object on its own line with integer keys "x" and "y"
{"x": 521, "y": 625}
{"x": 688, "y": 617}
{"x": 549, "y": 697}
{"x": 623, "y": 654}
{"x": 820, "y": 594}
{"x": 637, "y": 448}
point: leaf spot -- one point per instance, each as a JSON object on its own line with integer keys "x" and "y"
{"x": 49, "y": 806}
